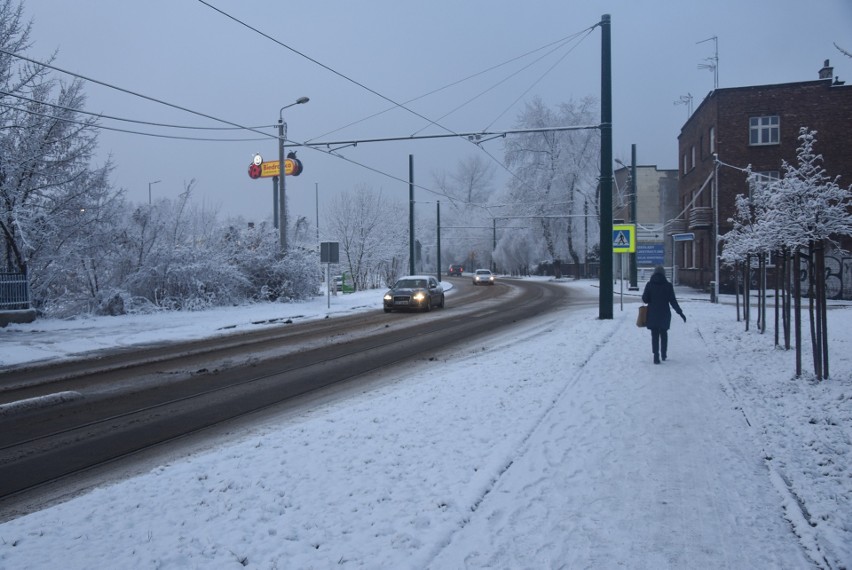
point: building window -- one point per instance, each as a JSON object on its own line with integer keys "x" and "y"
{"x": 712, "y": 140}
{"x": 692, "y": 163}
{"x": 764, "y": 130}
{"x": 684, "y": 164}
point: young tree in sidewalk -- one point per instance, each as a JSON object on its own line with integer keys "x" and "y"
{"x": 804, "y": 211}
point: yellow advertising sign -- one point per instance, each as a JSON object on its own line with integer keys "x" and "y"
{"x": 273, "y": 168}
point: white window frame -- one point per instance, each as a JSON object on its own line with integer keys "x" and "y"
{"x": 712, "y": 140}
{"x": 764, "y": 130}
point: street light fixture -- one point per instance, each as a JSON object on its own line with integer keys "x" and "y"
{"x": 282, "y": 207}
{"x": 149, "y": 190}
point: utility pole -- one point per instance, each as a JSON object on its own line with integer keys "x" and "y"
{"x": 605, "y": 299}
{"x": 282, "y": 196}
{"x": 411, "y": 214}
{"x": 439, "y": 241}
{"x": 634, "y": 277}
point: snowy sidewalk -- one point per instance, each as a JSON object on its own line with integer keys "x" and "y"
{"x": 636, "y": 466}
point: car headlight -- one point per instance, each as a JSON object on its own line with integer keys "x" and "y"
{"x": 388, "y": 297}
{"x": 419, "y": 296}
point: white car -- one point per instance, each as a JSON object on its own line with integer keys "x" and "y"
{"x": 483, "y": 277}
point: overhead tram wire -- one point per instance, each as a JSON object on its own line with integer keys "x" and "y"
{"x": 453, "y": 84}
{"x": 324, "y": 66}
{"x": 541, "y": 77}
{"x": 113, "y": 118}
{"x": 266, "y": 136}
{"x": 110, "y": 117}
{"x": 560, "y": 45}
{"x": 115, "y": 129}
{"x": 129, "y": 92}
{"x": 343, "y": 76}
{"x": 242, "y": 127}
{"x": 347, "y": 78}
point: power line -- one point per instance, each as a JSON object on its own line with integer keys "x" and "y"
{"x": 558, "y": 42}
{"x": 543, "y": 75}
{"x": 123, "y": 90}
{"x": 347, "y": 78}
{"x": 111, "y": 117}
{"x": 469, "y": 136}
{"x": 324, "y": 66}
{"x": 115, "y": 129}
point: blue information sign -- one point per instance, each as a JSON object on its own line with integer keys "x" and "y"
{"x": 649, "y": 254}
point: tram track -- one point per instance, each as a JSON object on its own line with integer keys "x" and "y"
{"x": 42, "y": 447}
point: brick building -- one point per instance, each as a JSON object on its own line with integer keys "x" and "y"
{"x": 757, "y": 126}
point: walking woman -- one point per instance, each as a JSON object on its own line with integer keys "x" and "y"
{"x": 658, "y": 295}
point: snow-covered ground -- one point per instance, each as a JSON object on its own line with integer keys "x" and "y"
{"x": 556, "y": 445}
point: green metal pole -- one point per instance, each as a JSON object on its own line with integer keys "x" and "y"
{"x": 439, "y": 241}
{"x": 275, "y": 202}
{"x": 282, "y": 196}
{"x": 605, "y": 299}
{"x": 634, "y": 277}
{"x": 493, "y": 244}
{"x": 411, "y": 214}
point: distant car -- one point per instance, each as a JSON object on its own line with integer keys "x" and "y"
{"x": 483, "y": 277}
{"x": 415, "y": 292}
{"x": 455, "y": 270}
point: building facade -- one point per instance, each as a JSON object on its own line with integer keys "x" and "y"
{"x": 656, "y": 204}
{"x": 742, "y": 126}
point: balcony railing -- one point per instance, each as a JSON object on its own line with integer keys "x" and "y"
{"x": 700, "y": 217}
{"x": 677, "y": 226}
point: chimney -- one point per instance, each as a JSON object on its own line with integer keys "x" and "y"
{"x": 826, "y": 72}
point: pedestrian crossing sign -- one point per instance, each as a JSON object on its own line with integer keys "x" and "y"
{"x": 624, "y": 238}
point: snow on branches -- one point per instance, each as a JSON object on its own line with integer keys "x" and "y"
{"x": 804, "y": 206}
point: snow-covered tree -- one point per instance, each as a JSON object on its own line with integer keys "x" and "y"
{"x": 372, "y": 232}
{"x": 554, "y": 172}
{"x": 56, "y": 210}
{"x": 803, "y": 211}
{"x": 467, "y": 191}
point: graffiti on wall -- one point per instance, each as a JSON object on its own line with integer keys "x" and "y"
{"x": 838, "y": 277}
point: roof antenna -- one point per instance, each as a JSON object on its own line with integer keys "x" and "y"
{"x": 686, "y": 100}
{"x": 714, "y": 61}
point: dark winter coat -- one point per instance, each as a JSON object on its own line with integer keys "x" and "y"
{"x": 659, "y": 294}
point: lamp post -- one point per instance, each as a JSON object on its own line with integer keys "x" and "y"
{"x": 282, "y": 206}
{"x": 149, "y": 190}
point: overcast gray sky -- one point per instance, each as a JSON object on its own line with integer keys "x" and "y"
{"x": 185, "y": 53}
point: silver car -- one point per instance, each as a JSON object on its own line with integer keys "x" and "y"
{"x": 415, "y": 292}
{"x": 483, "y": 277}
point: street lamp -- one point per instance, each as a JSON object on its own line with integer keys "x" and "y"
{"x": 282, "y": 207}
{"x": 149, "y": 190}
